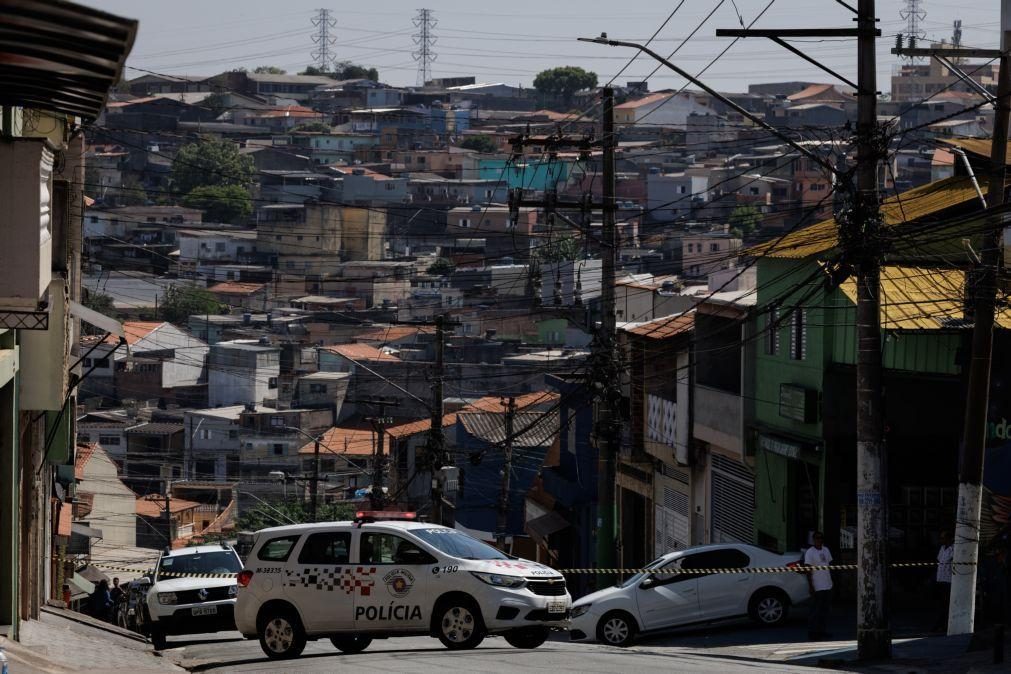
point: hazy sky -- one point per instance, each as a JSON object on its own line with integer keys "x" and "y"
{"x": 511, "y": 41}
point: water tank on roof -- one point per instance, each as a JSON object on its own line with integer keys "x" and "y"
{"x": 358, "y": 172}
{"x": 476, "y": 208}
{"x": 654, "y": 170}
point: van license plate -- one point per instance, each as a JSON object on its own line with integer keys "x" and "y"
{"x": 556, "y": 607}
{"x": 205, "y": 610}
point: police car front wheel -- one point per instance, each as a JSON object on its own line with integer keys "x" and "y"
{"x": 459, "y": 624}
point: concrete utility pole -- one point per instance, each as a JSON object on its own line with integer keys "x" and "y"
{"x": 962, "y": 609}
{"x": 507, "y": 467}
{"x": 379, "y": 424}
{"x": 436, "y": 436}
{"x": 314, "y": 483}
{"x": 858, "y": 235}
{"x": 861, "y": 239}
{"x": 606, "y": 427}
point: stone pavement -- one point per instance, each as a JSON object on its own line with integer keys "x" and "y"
{"x": 62, "y": 641}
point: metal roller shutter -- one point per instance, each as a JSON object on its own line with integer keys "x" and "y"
{"x": 732, "y": 501}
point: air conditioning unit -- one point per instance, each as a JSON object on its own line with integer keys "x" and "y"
{"x": 26, "y": 257}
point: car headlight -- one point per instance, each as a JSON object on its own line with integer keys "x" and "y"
{"x": 579, "y": 610}
{"x": 167, "y": 598}
{"x": 498, "y": 580}
{"x": 233, "y": 590}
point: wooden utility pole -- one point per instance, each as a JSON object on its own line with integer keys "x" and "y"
{"x": 970, "y": 466}
{"x": 507, "y": 467}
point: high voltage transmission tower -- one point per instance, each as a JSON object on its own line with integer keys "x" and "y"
{"x": 913, "y": 14}
{"x": 322, "y": 56}
{"x": 425, "y": 22}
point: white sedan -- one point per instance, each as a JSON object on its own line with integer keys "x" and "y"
{"x": 647, "y": 602}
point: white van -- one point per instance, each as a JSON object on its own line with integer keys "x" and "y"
{"x": 385, "y": 575}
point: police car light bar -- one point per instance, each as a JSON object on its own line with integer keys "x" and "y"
{"x": 374, "y": 515}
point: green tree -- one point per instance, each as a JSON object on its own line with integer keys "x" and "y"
{"x": 180, "y": 302}
{"x": 276, "y": 513}
{"x": 215, "y": 103}
{"x": 210, "y": 162}
{"x": 745, "y": 219}
{"x": 345, "y": 70}
{"x": 441, "y": 267}
{"x": 313, "y": 127}
{"x": 269, "y": 70}
{"x": 99, "y": 302}
{"x": 221, "y": 203}
{"x": 130, "y": 193}
{"x": 564, "y": 82}
{"x": 565, "y": 248}
{"x": 480, "y": 143}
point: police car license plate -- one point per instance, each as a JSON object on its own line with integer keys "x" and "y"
{"x": 205, "y": 610}
{"x": 556, "y": 607}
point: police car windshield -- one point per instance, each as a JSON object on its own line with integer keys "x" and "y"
{"x": 458, "y": 544}
{"x": 204, "y": 562}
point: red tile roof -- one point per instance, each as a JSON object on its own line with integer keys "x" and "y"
{"x": 393, "y": 333}
{"x": 236, "y": 288}
{"x": 85, "y": 450}
{"x": 665, "y": 327}
{"x": 135, "y": 331}
{"x": 645, "y": 100}
{"x": 364, "y": 352}
{"x": 817, "y": 90}
{"x": 153, "y": 505}
{"x": 339, "y": 440}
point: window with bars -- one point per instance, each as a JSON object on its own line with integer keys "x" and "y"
{"x": 798, "y": 334}
{"x": 770, "y": 343}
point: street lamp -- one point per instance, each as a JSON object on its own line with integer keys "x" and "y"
{"x": 283, "y": 479}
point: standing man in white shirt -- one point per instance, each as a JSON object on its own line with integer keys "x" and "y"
{"x": 819, "y": 582}
{"x": 942, "y": 581}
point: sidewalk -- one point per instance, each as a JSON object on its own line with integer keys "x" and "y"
{"x": 62, "y": 641}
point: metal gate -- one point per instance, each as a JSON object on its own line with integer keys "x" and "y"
{"x": 731, "y": 501}
{"x": 671, "y": 518}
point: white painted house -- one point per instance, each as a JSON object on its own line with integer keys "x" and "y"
{"x": 663, "y": 108}
{"x": 103, "y": 502}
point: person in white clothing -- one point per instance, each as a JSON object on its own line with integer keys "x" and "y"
{"x": 942, "y": 581}
{"x": 819, "y": 582}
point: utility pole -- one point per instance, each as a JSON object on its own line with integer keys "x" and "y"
{"x": 436, "y": 436}
{"x": 379, "y": 424}
{"x": 425, "y": 22}
{"x": 507, "y": 467}
{"x": 970, "y": 466}
{"x": 858, "y": 236}
{"x": 168, "y": 512}
{"x": 314, "y": 483}
{"x": 606, "y": 426}
{"x": 861, "y": 239}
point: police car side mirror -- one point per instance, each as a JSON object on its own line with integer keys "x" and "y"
{"x": 144, "y": 581}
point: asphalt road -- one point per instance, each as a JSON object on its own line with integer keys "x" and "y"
{"x": 420, "y": 655}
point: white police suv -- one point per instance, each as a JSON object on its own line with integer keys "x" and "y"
{"x": 192, "y": 591}
{"x": 385, "y": 575}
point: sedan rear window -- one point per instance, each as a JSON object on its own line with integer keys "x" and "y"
{"x": 277, "y": 549}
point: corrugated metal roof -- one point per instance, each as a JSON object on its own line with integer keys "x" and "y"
{"x": 61, "y": 56}
{"x": 535, "y": 429}
{"x": 917, "y": 298}
{"x": 911, "y": 205}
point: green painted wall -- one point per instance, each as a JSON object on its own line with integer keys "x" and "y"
{"x": 10, "y": 501}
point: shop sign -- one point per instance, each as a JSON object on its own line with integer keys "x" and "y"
{"x": 791, "y": 450}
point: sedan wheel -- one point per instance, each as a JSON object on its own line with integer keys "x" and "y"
{"x": 768, "y": 607}
{"x": 616, "y": 629}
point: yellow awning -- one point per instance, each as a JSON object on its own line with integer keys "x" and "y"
{"x": 917, "y": 298}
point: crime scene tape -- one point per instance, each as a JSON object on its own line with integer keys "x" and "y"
{"x": 163, "y": 574}
{"x": 799, "y": 568}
